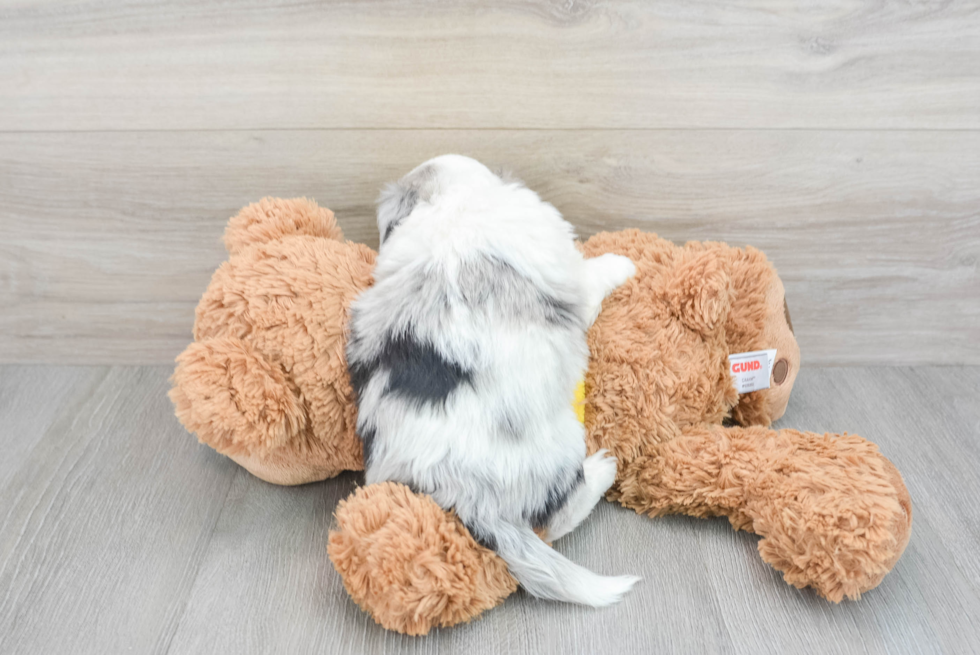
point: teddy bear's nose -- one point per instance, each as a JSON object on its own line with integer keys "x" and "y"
{"x": 779, "y": 371}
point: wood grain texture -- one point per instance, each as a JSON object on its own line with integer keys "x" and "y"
{"x": 107, "y": 240}
{"x": 120, "y": 533}
{"x": 31, "y": 399}
{"x": 100, "y": 65}
{"x": 103, "y": 523}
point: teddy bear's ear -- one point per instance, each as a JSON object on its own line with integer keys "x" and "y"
{"x": 699, "y": 289}
{"x": 274, "y": 218}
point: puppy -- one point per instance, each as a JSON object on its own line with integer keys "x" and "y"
{"x": 464, "y": 356}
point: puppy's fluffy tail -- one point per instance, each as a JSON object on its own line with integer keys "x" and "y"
{"x": 545, "y": 573}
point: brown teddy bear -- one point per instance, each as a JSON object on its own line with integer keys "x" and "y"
{"x": 266, "y": 384}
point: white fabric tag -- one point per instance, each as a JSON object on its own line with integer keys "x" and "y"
{"x": 751, "y": 370}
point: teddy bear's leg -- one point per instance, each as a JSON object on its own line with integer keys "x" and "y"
{"x": 410, "y": 564}
{"x": 832, "y": 512}
{"x": 599, "y": 473}
{"x": 603, "y": 274}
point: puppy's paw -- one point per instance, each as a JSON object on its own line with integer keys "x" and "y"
{"x": 614, "y": 269}
{"x": 600, "y": 471}
{"x": 620, "y": 268}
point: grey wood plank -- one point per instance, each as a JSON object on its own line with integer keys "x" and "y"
{"x": 105, "y": 521}
{"x": 107, "y": 240}
{"x": 927, "y": 421}
{"x": 115, "y": 538}
{"x": 266, "y": 580}
{"x": 31, "y": 398}
{"x": 266, "y": 585}
{"x": 213, "y": 65}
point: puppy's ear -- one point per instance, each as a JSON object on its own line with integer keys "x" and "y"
{"x": 507, "y": 176}
{"x": 398, "y": 199}
{"x": 394, "y": 204}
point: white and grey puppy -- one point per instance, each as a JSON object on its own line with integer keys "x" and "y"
{"x": 465, "y": 355}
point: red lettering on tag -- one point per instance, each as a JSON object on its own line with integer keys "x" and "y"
{"x": 745, "y": 367}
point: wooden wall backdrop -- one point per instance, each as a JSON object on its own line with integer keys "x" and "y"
{"x": 842, "y": 137}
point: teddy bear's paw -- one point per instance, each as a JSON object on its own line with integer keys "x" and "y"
{"x": 840, "y": 523}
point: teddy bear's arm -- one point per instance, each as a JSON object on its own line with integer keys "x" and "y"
{"x": 833, "y": 513}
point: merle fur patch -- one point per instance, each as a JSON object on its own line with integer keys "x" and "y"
{"x": 490, "y": 279}
{"x": 557, "y": 497}
{"x": 419, "y": 372}
{"x": 485, "y": 539}
{"x": 416, "y": 371}
{"x": 360, "y": 372}
{"x": 367, "y": 443}
{"x": 559, "y": 313}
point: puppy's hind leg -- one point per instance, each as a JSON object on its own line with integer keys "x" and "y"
{"x": 603, "y": 275}
{"x": 600, "y": 473}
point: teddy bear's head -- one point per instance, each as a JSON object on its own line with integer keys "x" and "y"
{"x": 660, "y": 347}
{"x": 265, "y": 381}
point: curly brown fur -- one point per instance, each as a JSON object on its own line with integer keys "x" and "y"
{"x": 410, "y": 564}
{"x": 271, "y": 219}
{"x": 833, "y": 513}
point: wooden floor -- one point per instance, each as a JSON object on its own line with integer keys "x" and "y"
{"x": 119, "y": 533}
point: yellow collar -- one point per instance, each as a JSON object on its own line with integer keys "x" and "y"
{"x": 579, "y": 402}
